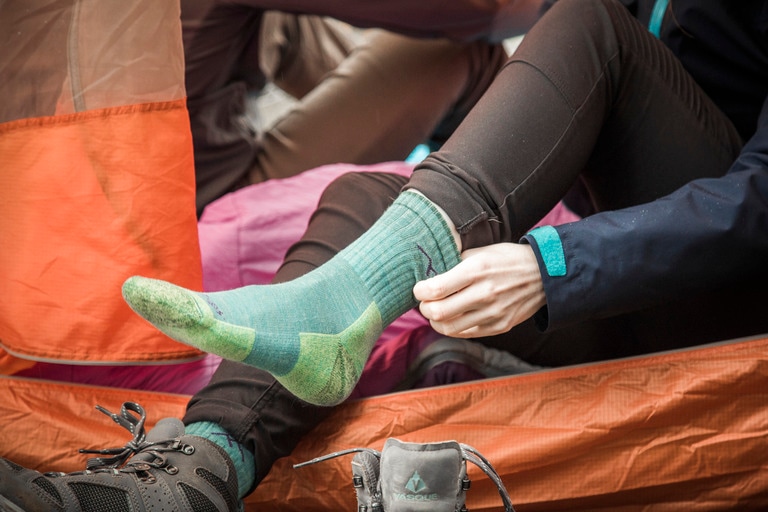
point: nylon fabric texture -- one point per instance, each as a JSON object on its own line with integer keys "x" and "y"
{"x": 97, "y": 179}
{"x": 669, "y": 431}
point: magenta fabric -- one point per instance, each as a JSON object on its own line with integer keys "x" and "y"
{"x": 244, "y": 235}
{"x": 178, "y": 378}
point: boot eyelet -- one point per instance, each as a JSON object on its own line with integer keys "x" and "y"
{"x": 171, "y": 470}
{"x": 148, "y": 478}
{"x": 188, "y": 449}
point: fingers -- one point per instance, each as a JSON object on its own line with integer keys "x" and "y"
{"x": 467, "y": 272}
{"x": 443, "y": 285}
{"x": 464, "y": 327}
{"x": 460, "y": 322}
{"x": 490, "y": 291}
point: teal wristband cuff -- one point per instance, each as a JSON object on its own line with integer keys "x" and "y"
{"x": 551, "y": 249}
{"x": 657, "y": 16}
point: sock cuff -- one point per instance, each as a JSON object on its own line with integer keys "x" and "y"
{"x": 440, "y": 230}
{"x": 410, "y": 242}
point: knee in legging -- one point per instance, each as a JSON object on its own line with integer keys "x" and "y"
{"x": 485, "y": 61}
{"x": 575, "y": 43}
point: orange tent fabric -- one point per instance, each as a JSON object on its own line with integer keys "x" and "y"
{"x": 95, "y": 147}
{"x": 684, "y": 430}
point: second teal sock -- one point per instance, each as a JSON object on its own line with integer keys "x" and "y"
{"x": 242, "y": 459}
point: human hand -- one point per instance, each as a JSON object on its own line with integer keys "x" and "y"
{"x": 493, "y": 289}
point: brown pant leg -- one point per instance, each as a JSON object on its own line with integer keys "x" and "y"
{"x": 392, "y": 93}
{"x": 384, "y": 99}
{"x": 295, "y": 52}
{"x": 231, "y": 50}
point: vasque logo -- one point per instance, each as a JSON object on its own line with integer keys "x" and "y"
{"x": 416, "y": 490}
{"x": 430, "y": 270}
{"x": 415, "y": 483}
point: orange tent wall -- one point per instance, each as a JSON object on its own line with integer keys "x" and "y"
{"x": 90, "y": 199}
{"x": 684, "y": 430}
{"x": 96, "y": 178}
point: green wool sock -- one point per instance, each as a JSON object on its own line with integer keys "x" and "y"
{"x": 315, "y": 333}
{"x": 243, "y": 460}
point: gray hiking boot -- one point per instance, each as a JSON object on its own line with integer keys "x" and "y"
{"x": 162, "y": 470}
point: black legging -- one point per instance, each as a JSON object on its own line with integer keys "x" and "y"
{"x": 590, "y": 94}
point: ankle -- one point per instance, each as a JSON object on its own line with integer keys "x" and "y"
{"x": 448, "y": 222}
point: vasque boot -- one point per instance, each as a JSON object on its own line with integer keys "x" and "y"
{"x": 162, "y": 471}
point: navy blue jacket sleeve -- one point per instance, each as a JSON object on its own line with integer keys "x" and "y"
{"x": 709, "y": 233}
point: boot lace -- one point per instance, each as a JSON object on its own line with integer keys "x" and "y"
{"x": 132, "y": 417}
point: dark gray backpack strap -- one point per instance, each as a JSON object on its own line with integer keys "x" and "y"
{"x": 478, "y": 460}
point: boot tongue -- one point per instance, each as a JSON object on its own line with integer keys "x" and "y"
{"x": 165, "y": 429}
{"x": 421, "y": 477}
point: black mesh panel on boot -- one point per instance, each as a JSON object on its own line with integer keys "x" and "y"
{"x": 228, "y": 492}
{"x": 197, "y": 500}
{"x": 48, "y": 487}
{"x": 97, "y": 498}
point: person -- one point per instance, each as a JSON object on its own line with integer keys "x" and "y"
{"x": 669, "y": 136}
{"x": 364, "y": 96}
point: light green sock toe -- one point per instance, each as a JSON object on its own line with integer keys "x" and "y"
{"x": 185, "y": 316}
